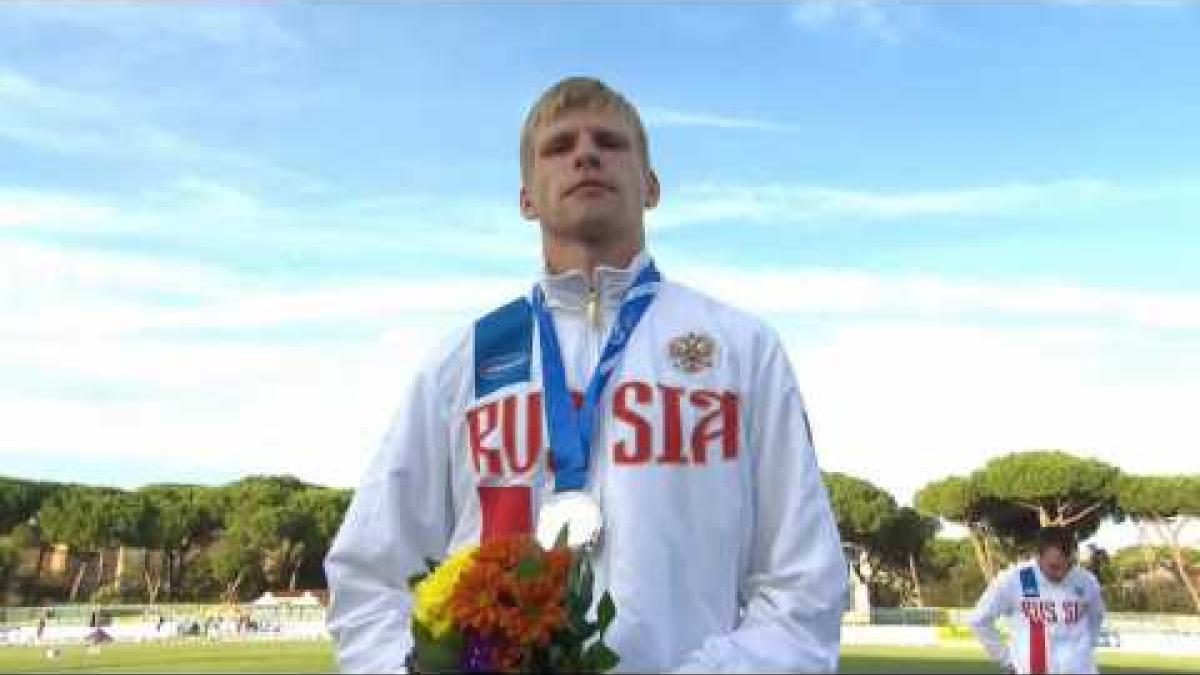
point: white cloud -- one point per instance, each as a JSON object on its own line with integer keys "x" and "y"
{"x": 234, "y": 222}
{"x": 217, "y": 25}
{"x": 218, "y": 199}
{"x": 898, "y": 367}
{"x": 34, "y": 273}
{"x": 906, "y": 403}
{"x": 776, "y": 292}
{"x": 785, "y": 204}
{"x": 18, "y": 90}
{"x": 901, "y": 401}
{"x": 906, "y": 384}
{"x": 48, "y": 117}
{"x": 665, "y": 117}
{"x": 1160, "y": 4}
{"x": 314, "y": 412}
{"x": 889, "y": 23}
{"x": 27, "y": 208}
{"x": 47, "y": 292}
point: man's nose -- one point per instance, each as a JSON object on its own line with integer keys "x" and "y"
{"x": 587, "y": 155}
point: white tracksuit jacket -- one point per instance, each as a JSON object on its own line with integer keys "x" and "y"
{"x": 1053, "y": 626}
{"x": 720, "y": 548}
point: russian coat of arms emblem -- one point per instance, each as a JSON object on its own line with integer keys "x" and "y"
{"x": 692, "y": 353}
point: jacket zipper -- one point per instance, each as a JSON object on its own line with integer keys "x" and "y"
{"x": 592, "y": 307}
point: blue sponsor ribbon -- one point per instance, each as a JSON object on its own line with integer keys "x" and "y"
{"x": 570, "y": 429}
{"x": 1029, "y": 584}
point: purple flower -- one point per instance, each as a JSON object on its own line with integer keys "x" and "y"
{"x": 477, "y": 657}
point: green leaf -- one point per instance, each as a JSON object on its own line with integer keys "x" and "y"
{"x": 586, "y": 580}
{"x": 421, "y": 634}
{"x": 573, "y": 606}
{"x": 414, "y": 579}
{"x": 443, "y": 654}
{"x": 570, "y": 647}
{"x": 606, "y": 612}
{"x": 582, "y": 629}
{"x": 600, "y": 658}
{"x": 573, "y": 577}
{"x": 529, "y": 568}
{"x": 561, "y": 540}
{"x": 431, "y": 564}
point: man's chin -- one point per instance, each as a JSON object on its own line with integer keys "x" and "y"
{"x": 594, "y": 226}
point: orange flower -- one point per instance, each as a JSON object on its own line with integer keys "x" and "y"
{"x": 538, "y": 624}
{"x": 508, "y": 658}
{"x": 476, "y": 600}
{"x": 514, "y": 593}
{"x": 506, "y": 552}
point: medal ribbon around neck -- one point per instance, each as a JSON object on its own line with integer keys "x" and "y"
{"x": 570, "y": 429}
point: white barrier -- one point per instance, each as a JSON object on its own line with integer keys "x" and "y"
{"x": 1154, "y": 642}
{"x": 1127, "y": 642}
{"x": 914, "y": 636}
{"x": 169, "y": 630}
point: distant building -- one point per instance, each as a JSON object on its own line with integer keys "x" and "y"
{"x": 300, "y": 598}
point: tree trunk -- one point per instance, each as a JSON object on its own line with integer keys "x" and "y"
{"x": 1172, "y": 540}
{"x": 152, "y": 587}
{"x": 83, "y": 565}
{"x": 164, "y": 566}
{"x": 988, "y": 552}
{"x": 1147, "y": 546}
{"x": 297, "y": 555}
{"x": 37, "y": 567}
{"x": 178, "y": 569}
{"x": 99, "y": 571}
{"x": 34, "y": 588}
{"x": 232, "y": 587}
{"x": 981, "y": 557}
{"x": 153, "y": 582}
{"x": 916, "y": 579}
{"x": 1177, "y": 554}
{"x": 172, "y": 582}
{"x": 174, "y": 561}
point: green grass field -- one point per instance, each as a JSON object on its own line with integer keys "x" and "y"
{"x": 192, "y": 657}
{"x": 858, "y": 659}
{"x": 317, "y": 657}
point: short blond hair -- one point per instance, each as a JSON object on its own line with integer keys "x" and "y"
{"x": 578, "y": 93}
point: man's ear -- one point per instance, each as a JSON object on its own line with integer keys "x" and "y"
{"x": 528, "y": 210}
{"x": 653, "y": 189}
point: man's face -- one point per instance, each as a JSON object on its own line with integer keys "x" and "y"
{"x": 586, "y": 178}
{"x": 1054, "y": 564}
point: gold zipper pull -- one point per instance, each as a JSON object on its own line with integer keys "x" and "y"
{"x": 593, "y": 307}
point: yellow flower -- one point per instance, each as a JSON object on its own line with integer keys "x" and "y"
{"x": 434, "y": 591}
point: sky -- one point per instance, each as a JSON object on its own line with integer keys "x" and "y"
{"x": 229, "y": 231}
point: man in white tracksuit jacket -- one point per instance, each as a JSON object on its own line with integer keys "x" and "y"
{"x": 1053, "y": 607}
{"x": 719, "y": 545}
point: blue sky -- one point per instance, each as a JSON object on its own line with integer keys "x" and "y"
{"x": 228, "y": 231}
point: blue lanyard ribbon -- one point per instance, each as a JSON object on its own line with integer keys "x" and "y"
{"x": 570, "y": 429}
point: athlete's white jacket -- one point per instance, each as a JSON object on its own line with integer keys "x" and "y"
{"x": 720, "y": 548}
{"x": 1053, "y": 626}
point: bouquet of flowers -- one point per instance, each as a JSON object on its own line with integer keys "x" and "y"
{"x": 510, "y": 605}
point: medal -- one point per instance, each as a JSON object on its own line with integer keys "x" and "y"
{"x": 575, "y": 510}
{"x": 570, "y": 428}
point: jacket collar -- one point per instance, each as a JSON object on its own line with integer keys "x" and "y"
{"x": 571, "y": 288}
